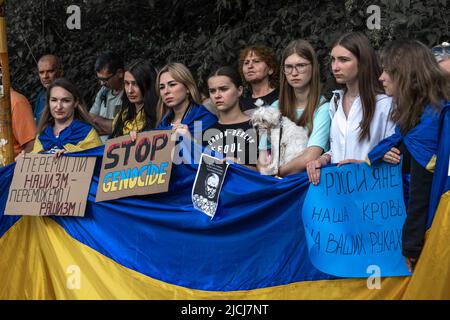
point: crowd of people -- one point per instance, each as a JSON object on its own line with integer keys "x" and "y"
{"x": 382, "y": 109}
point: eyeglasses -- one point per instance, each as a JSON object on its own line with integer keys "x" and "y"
{"x": 106, "y": 79}
{"x": 441, "y": 51}
{"x": 300, "y": 68}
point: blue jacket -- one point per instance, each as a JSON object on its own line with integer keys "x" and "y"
{"x": 39, "y": 106}
{"x": 197, "y": 112}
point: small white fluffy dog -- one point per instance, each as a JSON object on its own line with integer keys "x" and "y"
{"x": 293, "y": 138}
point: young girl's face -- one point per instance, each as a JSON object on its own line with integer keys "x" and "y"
{"x": 298, "y": 71}
{"x": 62, "y": 105}
{"x": 224, "y": 93}
{"x": 388, "y": 83}
{"x": 344, "y": 65}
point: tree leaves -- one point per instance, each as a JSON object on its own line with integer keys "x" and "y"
{"x": 200, "y": 33}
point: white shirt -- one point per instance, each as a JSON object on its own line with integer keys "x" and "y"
{"x": 344, "y": 132}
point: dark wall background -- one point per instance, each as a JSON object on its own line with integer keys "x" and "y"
{"x": 200, "y": 33}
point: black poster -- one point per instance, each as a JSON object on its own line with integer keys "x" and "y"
{"x": 208, "y": 183}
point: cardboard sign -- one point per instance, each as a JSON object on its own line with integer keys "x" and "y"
{"x": 45, "y": 185}
{"x": 208, "y": 183}
{"x": 136, "y": 167}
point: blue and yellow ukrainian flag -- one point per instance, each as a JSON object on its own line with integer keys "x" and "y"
{"x": 160, "y": 247}
{"x": 76, "y": 137}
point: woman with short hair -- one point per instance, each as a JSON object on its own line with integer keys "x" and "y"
{"x": 258, "y": 67}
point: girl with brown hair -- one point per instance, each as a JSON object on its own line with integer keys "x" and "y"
{"x": 301, "y": 102}
{"x": 360, "y": 112}
{"x": 420, "y": 90}
{"x": 65, "y": 124}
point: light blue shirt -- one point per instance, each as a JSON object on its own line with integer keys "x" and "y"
{"x": 320, "y": 135}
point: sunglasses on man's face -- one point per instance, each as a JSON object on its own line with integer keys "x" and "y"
{"x": 106, "y": 79}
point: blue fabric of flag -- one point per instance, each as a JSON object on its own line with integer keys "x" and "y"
{"x": 73, "y": 134}
{"x": 255, "y": 240}
{"x": 441, "y": 177}
{"x": 196, "y": 113}
{"x": 421, "y": 141}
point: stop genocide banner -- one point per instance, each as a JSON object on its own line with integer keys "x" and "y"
{"x": 136, "y": 167}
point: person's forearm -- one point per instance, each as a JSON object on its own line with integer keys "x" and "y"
{"x": 105, "y": 125}
{"x": 299, "y": 164}
{"x": 294, "y": 166}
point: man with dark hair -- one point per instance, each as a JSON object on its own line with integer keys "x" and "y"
{"x": 49, "y": 69}
{"x": 110, "y": 72}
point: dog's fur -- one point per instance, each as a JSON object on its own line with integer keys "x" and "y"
{"x": 293, "y": 138}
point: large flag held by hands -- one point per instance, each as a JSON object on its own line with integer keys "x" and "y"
{"x": 159, "y": 247}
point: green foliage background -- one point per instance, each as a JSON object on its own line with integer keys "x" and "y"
{"x": 200, "y": 33}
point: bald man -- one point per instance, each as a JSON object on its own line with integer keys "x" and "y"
{"x": 49, "y": 69}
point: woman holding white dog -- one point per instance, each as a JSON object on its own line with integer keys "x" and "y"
{"x": 233, "y": 135}
{"x": 360, "y": 112}
{"x": 301, "y": 102}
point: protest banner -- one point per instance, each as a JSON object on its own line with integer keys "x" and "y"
{"x": 45, "y": 185}
{"x": 208, "y": 184}
{"x": 353, "y": 220}
{"x": 136, "y": 167}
